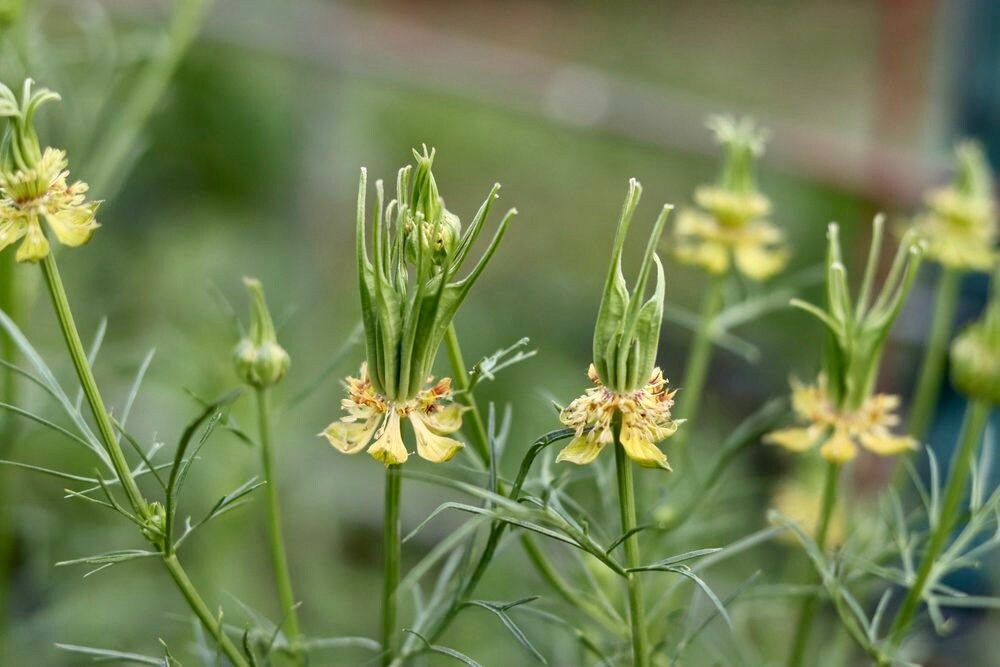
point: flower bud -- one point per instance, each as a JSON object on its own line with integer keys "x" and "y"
{"x": 154, "y": 522}
{"x": 260, "y": 361}
{"x": 975, "y": 354}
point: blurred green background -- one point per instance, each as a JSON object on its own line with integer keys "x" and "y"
{"x": 248, "y": 165}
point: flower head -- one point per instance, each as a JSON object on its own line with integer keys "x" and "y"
{"x": 374, "y": 419}
{"x": 840, "y": 431}
{"x": 260, "y": 360}
{"x": 729, "y": 226}
{"x": 645, "y": 421}
{"x": 34, "y": 185}
{"x": 960, "y": 223}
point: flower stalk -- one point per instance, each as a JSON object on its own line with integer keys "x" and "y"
{"x": 627, "y": 509}
{"x": 808, "y": 609}
{"x": 392, "y": 545}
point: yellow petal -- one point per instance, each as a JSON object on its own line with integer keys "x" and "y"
{"x": 839, "y": 448}
{"x": 389, "y": 447}
{"x": 884, "y": 443}
{"x": 350, "y": 437}
{"x": 664, "y": 432}
{"x": 759, "y": 262}
{"x": 580, "y": 450}
{"x": 10, "y": 231}
{"x": 444, "y": 421}
{"x": 793, "y": 439}
{"x": 35, "y": 246}
{"x": 642, "y": 451}
{"x": 73, "y": 226}
{"x": 431, "y": 446}
{"x": 709, "y": 255}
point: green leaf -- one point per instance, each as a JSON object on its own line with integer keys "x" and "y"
{"x": 674, "y": 560}
{"x": 444, "y": 650}
{"x": 107, "y": 655}
{"x": 500, "y": 610}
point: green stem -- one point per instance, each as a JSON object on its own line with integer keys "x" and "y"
{"x": 9, "y": 303}
{"x": 279, "y": 559}
{"x": 976, "y": 416}
{"x": 701, "y": 355}
{"x": 76, "y": 351}
{"x": 392, "y": 545}
{"x": 932, "y": 367}
{"x": 480, "y": 440}
{"x": 808, "y": 608}
{"x": 124, "y": 474}
{"x": 201, "y": 610}
{"x": 626, "y": 504}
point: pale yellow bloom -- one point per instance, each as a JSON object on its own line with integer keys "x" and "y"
{"x": 801, "y": 501}
{"x": 729, "y": 228}
{"x": 645, "y": 421}
{"x": 26, "y": 197}
{"x": 370, "y": 416}
{"x": 840, "y": 432}
{"x": 960, "y": 229}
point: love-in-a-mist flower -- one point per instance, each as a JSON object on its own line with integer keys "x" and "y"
{"x": 840, "y": 411}
{"x": 410, "y": 292}
{"x": 34, "y": 185}
{"x": 730, "y": 225}
{"x": 630, "y": 393}
{"x": 960, "y": 224}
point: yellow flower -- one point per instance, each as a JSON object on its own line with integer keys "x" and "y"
{"x": 840, "y": 432}
{"x": 645, "y": 421}
{"x": 370, "y": 416}
{"x": 27, "y": 196}
{"x": 960, "y": 224}
{"x": 798, "y": 500}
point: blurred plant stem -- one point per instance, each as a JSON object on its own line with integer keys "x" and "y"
{"x": 279, "y": 559}
{"x": 392, "y": 537}
{"x": 626, "y": 505}
{"x": 140, "y": 507}
{"x": 932, "y": 367}
{"x": 698, "y": 362}
{"x": 976, "y": 415}
{"x": 113, "y": 146}
{"x": 808, "y": 609}
{"x": 480, "y": 440}
{"x": 10, "y": 304}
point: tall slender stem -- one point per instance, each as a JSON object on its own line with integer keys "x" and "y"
{"x": 10, "y": 304}
{"x": 808, "y": 608}
{"x": 391, "y": 544}
{"x": 124, "y": 474}
{"x": 89, "y": 384}
{"x": 279, "y": 559}
{"x": 698, "y": 360}
{"x": 626, "y": 505}
{"x": 976, "y": 415}
{"x": 212, "y": 624}
{"x": 932, "y": 367}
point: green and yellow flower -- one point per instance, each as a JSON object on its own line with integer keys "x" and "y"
{"x": 645, "y": 421}
{"x": 960, "y": 223}
{"x": 374, "y": 419}
{"x": 34, "y": 185}
{"x": 840, "y": 431}
{"x": 730, "y": 226}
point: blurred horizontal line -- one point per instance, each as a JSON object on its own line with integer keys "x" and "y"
{"x": 396, "y": 49}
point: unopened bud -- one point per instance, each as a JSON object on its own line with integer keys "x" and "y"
{"x": 975, "y": 354}
{"x": 260, "y": 361}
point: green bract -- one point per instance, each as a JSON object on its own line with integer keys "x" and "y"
{"x": 975, "y": 354}
{"x": 260, "y": 361}
{"x": 627, "y": 332}
{"x": 21, "y": 149}
{"x": 743, "y": 142}
{"x": 409, "y": 290}
{"x": 859, "y": 330}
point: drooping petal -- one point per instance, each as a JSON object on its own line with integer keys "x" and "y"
{"x": 883, "y": 443}
{"x": 73, "y": 226}
{"x": 446, "y": 420}
{"x": 839, "y": 448}
{"x": 642, "y": 451}
{"x": 794, "y": 439}
{"x": 10, "y": 230}
{"x": 35, "y": 246}
{"x": 759, "y": 262}
{"x": 351, "y": 437}
{"x": 431, "y": 446}
{"x": 581, "y": 450}
{"x": 389, "y": 447}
